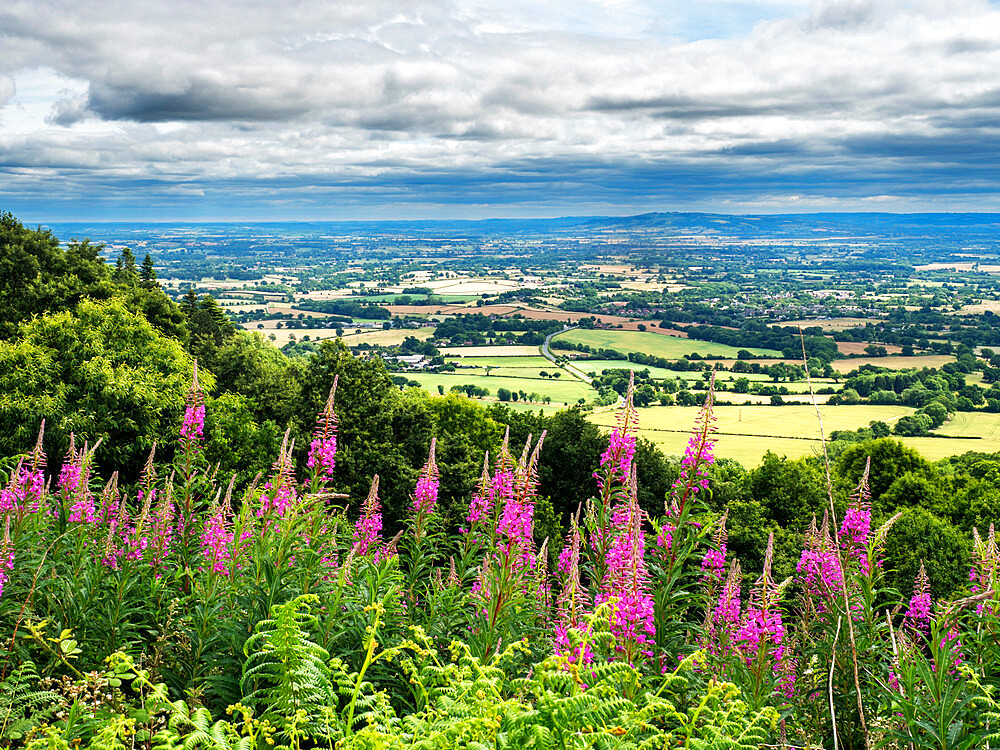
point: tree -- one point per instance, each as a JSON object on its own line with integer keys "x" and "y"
{"x": 253, "y": 368}
{"x": 147, "y": 274}
{"x": 376, "y": 435}
{"x": 126, "y": 271}
{"x": 102, "y": 372}
{"x": 920, "y": 536}
{"x": 209, "y": 327}
{"x": 936, "y": 411}
{"x": 913, "y": 425}
{"x": 890, "y": 459}
{"x": 37, "y": 276}
{"x": 792, "y": 491}
{"x": 236, "y": 441}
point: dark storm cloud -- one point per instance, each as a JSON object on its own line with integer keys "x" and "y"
{"x": 196, "y": 100}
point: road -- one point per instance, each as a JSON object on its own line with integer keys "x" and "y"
{"x": 571, "y": 369}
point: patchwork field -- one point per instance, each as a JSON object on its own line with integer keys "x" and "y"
{"x": 834, "y": 324}
{"x": 858, "y": 347}
{"x": 391, "y": 337}
{"x": 656, "y": 344}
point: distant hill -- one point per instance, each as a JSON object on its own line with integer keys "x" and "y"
{"x": 779, "y": 226}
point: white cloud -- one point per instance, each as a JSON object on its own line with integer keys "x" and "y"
{"x": 187, "y": 92}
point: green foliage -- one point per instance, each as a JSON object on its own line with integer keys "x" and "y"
{"x": 286, "y": 672}
{"x": 38, "y": 277}
{"x": 890, "y": 459}
{"x": 920, "y": 536}
{"x": 23, "y": 706}
{"x": 102, "y": 372}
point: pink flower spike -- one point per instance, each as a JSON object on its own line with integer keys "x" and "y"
{"x": 323, "y": 449}
{"x": 426, "y": 494}
{"x": 368, "y": 529}
{"x": 193, "y": 426}
{"x": 918, "y": 616}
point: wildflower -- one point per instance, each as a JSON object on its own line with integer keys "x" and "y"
{"x": 818, "y": 569}
{"x": 515, "y": 525}
{"x": 761, "y": 636}
{"x": 616, "y": 461}
{"x": 426, "y": 494}
{"x": 627, "y": 579}
{"x": 74, "y": 482}
{"x": 217, "y": 535}
{"x": 23, "y": 492}
{"x": 193, "y": 425}
{"x": 279, "y": 493}
{"x": 713, "y": 564}
{"x": 984, "y": 575}
{"x": 698, "y": 456}
{"x": 572, "y": 602}
{"x": 726, "y": 615}
{"x": 856, "y": 527}
{"x": 6, "y": 556}
{"x": 481, "y": 504}
{"x": 161, "y": 528}
{"x": 918, "y": 616}
{"x": 369, "y": 526}
{"x": 120, "y": 541}
{"x": 323, "y": 449}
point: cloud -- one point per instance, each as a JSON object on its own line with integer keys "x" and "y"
{"x": 592, "y": 102}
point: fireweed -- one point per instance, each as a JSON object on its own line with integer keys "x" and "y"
{"x": 612, "y": 476}
{"x": 626, "y": 581}
{"x": 368, "y": 530}
{"x": 271, "y": 540}
{"x": 322, "y": 458}
{"x": 193, "y": 426}
{"x": 508, "y": 581}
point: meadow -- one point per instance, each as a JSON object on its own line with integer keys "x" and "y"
{"x": 656, "y": 344}
{"x": 527, "y": 362}
{"x": 490, "y": 351}
{"x": 564, "y": 390}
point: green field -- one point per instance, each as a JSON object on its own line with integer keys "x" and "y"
{"x": 531, "y": 373}
{"x": 722, "y": 376}
{"x": 563, "y": 390}
{"x": 526, "y": 362}
{"x": 657, "y": 344}
{"x": 969, "y": 424}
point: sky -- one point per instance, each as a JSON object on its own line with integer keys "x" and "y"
{"x": 406, "y": 109}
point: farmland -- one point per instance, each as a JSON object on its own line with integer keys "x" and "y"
{"x": 564, "y": 390}
{"x": 656, "y": 344}
{"x": 746, "y": 434}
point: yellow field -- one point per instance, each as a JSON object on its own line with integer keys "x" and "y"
{"x": 747, "y": 433}
{"x": 391, "y": 337}
{"x": 893, "y": 363}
